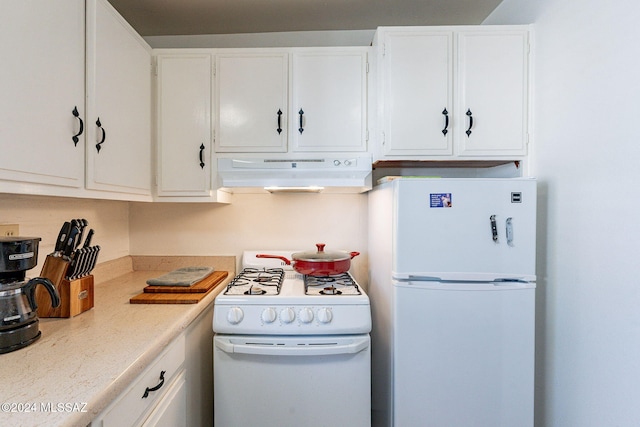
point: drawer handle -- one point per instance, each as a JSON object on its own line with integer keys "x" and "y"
{"x": 156, "y": 388}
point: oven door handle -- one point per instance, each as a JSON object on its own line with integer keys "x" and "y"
{"x": 356, "y": 346}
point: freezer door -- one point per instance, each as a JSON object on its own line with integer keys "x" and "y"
{"x": 464, "y": 229}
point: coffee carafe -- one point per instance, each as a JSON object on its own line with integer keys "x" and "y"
{"x": 19, "y": 324}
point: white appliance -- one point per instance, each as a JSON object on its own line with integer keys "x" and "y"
{"x": 291, "y": 350}
{"x": 452, "y": 288}
{"x": 345, "y": 174}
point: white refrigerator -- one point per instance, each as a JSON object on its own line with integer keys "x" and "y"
{"x": 452, "y": 291}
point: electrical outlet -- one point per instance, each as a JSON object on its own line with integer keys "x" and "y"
{"x": 9, "y": 230}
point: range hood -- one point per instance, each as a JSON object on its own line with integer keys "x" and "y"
{"x": 318, "y": 175}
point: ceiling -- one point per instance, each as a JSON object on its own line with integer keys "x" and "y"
{"x": 191, "y": 17}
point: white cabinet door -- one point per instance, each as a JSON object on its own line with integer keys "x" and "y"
{"x": 251, "y": 102}
{"x": 184, "y": 124}
{"x": 41, "y": 82}
{"x": 171, "y": 411}
{"x": 418, "y": 86}
{"x": 119, "y": 103}
{"x": 329, "y": 99}
{"x": 492, "y": 98}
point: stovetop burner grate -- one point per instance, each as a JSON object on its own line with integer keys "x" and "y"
{"x": 256, "y": 281}
{"x": 340, "y": 284}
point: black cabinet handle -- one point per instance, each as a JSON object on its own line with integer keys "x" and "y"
{"x": 77, "y": 115}
{"x": 301, "y": 128}
{"x": 470, "y": 114}
{"x": 104, "y": 135}
{"x": 446, "y": 122}
{"x": 201, "y": 153}
{"x": 279, "y": 121}
{"x": 156, "y": 388}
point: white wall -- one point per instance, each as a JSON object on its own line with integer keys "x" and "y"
{"x": 587, "y": 151}
{"x": 254, "y": 221}
{"x": 43, "y": 216}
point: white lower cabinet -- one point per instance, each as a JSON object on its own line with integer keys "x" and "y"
{"x": 171, "y": 409}
{"x": 178, "y": 385}
{"x": 133, "y": 406}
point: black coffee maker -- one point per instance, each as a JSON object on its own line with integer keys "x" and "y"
{"x": 19, "y": 319}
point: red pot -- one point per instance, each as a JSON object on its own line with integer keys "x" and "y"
{"x": 318, "y": 263}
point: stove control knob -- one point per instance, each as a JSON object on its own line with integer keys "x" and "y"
{"x": 269, "y": 315}
{"x": 287, "y": 315}
{"x": 235, "y": 315}
{"x": 325, "y": 315}
{"x": 306, "y": 315}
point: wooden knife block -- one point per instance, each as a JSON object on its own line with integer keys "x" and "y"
{"x": 76, "y": 296}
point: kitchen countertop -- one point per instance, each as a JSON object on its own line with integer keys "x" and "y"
{"x": 81, "y": 364}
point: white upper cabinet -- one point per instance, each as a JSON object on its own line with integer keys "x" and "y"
{"x": 418, "y": 93}
{"x": 329, "y": 100}
{"x": 453, "y": 92}
{"x": 119, "y": 103}
{"x": 251, "y": 101}
{"x": 184, "y": 124}
{"x": 41, "y": 85}
{"x": 493, "y": 93}
{"x": 291, "y": 100}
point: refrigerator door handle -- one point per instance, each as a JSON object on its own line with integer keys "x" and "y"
{"x": 494, "y": 228}
{"x": 509, "y": 225}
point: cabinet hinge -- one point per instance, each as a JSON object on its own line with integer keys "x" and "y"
{"x": 154, "y": 68}
{"x": 366, "y": 136}
{"x": 383, "y": 139}
{"x": 367, "y": 67}
{"x": 384, "y": 49}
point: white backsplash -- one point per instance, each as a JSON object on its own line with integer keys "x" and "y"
{"x": 253, "y": 221}
{"x": 42, "y": 217}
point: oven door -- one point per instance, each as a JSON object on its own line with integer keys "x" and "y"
{"x": 292, "y": 380}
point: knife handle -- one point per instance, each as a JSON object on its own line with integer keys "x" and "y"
{"x": 87, "y": 241}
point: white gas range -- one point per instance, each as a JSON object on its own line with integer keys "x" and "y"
{"x": 282, "y": 338}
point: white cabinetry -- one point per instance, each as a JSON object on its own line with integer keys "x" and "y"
{"x": 185, "y": 164}
{"x": 184, "y": 124}
{"x": 251, "y": 101}
{"x": 329, "y": 100}
{"x": 418, "y": 92}
{"x": 41, "y": 82}
{"x": 178, "y": 385}
{"x": 493, "y": 91}
{"x": 54, "y": 88}
{"x": 293, "y": 100}
{"x": 151, "y": 392}
{"x": 453, "y": 92}
{"x": 119, "y": 103}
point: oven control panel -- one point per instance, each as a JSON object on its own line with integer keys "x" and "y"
{"x": 292, "y": 320}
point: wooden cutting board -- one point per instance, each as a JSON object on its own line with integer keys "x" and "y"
{"x": 204, "y": 285}
{"x": 179, "y": 297}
